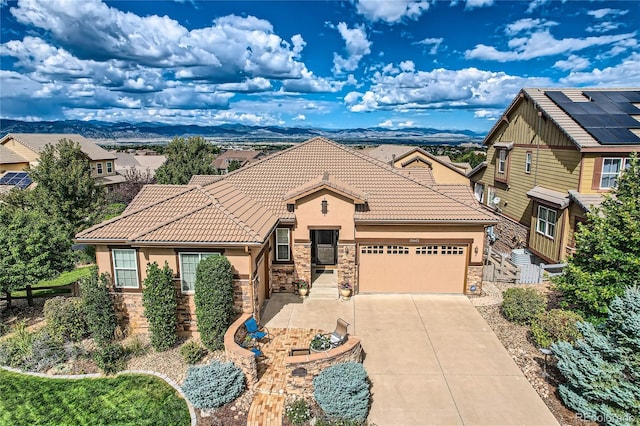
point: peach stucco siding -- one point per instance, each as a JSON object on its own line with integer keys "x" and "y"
{"x": 339, "y": 215}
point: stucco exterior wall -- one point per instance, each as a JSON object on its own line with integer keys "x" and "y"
{"x": 26, "y": 153}
{"x": 339, "y": 215}
{"x": 12, "y": 167}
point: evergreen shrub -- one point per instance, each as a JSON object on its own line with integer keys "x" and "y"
{"x": 66, "y": 318}
{"x": 213, "y": 385}
{"x": 192, "y": 352}
{"x": 160, "y": 306}
{"x": 342, "y": 391}
{"x": 554, "y": 326}
{"x": 522, "y": 305}
{"x": 98, "y": 307}
{"x": 110, "y": 358}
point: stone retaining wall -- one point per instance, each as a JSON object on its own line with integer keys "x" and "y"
{"x": 243, "y": 358}
{"x": 314, "y": 363}
{"x": 511, "y": 235}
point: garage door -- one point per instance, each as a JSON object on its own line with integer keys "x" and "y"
{"x": 434, "y": 268}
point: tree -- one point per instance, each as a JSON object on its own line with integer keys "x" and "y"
{"x": 65, "y": 188}
{"x": 233, "y": 165}
{"x": 602, "y": 370}
{"x": 160, "y": 306}
{"x": 33, "y": 247}
{"x": 185, "y": 158}
{"x": 135, "y": 180}
{"x": 607, "y": 258}
{"x": 214, "y": 300}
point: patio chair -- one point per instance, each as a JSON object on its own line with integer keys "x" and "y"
{"x": 256, "y": 352}
{"x": 254, "y": 330}
{"x": 339, "y": 335}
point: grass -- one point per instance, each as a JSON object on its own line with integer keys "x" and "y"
{"x": 61, "y": 280}
{"x": 129, "y": 399}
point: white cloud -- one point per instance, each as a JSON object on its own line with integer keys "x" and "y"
{"x": 472, "y": 4}
{"x": 433, "y": 42}
{"x": 408, "y": 123}
{"x": 490, "y": 114}
{"x": 625, "y": 74}
{"x": 309, "y": 83}
{"x": 407, "y": 66}
{"x": 391, "y": 11}
{"x": 299, "y": 117}
{"x": 535, "y": 4}
{"x": 572, "y": 63}
{"x": 357, "y": 46}
{"x": 387, "y": 123}
{"x": 528, "y": 24}
{"x": 251, "y": 85}
{"x": 601, "y": 13}
{"x": 541, "y": 44}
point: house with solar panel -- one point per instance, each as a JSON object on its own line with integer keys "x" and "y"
{"x": 551, "y": 157}
{"x": 21, "y": 151}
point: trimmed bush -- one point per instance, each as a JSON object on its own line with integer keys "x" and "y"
{"x": 110, "y": 358}
{"x": 213, "y": 385}
{"x": 342, "y": 391}
{"x": 298, "y": 412}
{"x": 160, "y": 306}
{"x": 98, "y": 307}
{"x": 522, "y": 305}
{"x": 66, "y": 318}
{"x": 554, "y": 326}
{"x": 192, "y": 352}
{"x": 214, "y": 300}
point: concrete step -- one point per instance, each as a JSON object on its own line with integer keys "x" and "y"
{"x": 323, "y": 293}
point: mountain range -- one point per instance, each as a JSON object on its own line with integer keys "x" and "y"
{"x": 123, "y": 132}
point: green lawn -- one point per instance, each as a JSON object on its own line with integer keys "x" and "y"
{"x": 61, "y": 280}
{"x": 128, "y": 399}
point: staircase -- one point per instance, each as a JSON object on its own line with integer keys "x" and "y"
{"x": 324, "y": 285}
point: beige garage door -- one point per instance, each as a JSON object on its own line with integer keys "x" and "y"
{"x": 385, "y": 268}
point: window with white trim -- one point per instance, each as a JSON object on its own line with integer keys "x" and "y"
{"x": 527, "y": 162}
{"x": 99, "y": 168}
{"x": 491, "y": 195}
{"x": 188, "y": 265}
{"x": 125, "y": 268}
{"x": 478, "y": 191}
{"x": 283, "y": 244}
{"x": 502, "y": 160}
{"x": 611, "y": 170}
{"x": 547, "y": 218}
{"x": 109, "y": 167}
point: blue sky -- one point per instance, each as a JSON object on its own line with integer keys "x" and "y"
{"x": 329, "y": 64}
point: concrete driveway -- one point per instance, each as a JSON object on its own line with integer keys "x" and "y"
{"x": 432, "y": 359}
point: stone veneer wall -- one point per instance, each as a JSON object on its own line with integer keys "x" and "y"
{"x": 314, "y": 363}
{"x": 243, "y": 358}
{"x": 282, "y": 278}
{"x": 511, "y": 235}
{"x": 347, "y": 263}
{"x": 474, "y": 277}
{"x": 302, "y": 261}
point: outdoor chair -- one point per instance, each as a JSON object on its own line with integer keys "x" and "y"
{"x": 254, "y": 330}
{"x": 339, "y": 335}
{"x": 256, "y": 352}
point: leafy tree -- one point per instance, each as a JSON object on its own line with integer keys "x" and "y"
{"x": 160, "y": 305}
{"x": 233, "y": 165}
{"x": 607, "y": 258}
{"x": 602, "y": 370}
{"x": 214, "y": 300}
{"x": 99, "y": 309}
{"x": 185, "y": 158}
{"x": 65, "y": 188}
{"x": 33, "y": 247}
{"x": 135, "y": 180}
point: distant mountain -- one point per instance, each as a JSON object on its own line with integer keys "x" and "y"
{"x": 133, "y": 132}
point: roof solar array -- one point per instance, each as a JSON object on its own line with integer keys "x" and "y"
{"x": 607, "y": 117}
{"x": 19, "y": 179}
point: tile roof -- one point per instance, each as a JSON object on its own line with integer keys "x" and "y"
{"x": 7, "y": 156}
{"x": 37, "y": 141}
{"x": 204, "y": 180}
{"x": 325, "y": 181}
{"x": 245, "y": 205}
{"x": 243, "y": 156}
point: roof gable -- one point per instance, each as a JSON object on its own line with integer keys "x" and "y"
{"x": 326, "y": 181}
{"x": 37, "y": 141}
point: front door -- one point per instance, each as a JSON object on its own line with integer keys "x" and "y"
{"x": 324, "y": 245}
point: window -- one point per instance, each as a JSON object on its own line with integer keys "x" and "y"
{"x": 502, "y": 160}
{"x": 527, "y": 162}
{"x": 188, "y": 265}
{"x": 451, "y": 250}
{"x": 125, "y": 268}
{"x": 478, "y": 191}
{"x": 611, "y": 170}
{"x": 282, "y": 245}
{"x": 397, "y": 250}
{"x": 491, "y": 195}
{"x": 99, "y": 168}
{"x": 547, "y": 221}
{"x": 372, "y": 250}
{"x": 427, "y": 250}
{"x": 109, "y": 167}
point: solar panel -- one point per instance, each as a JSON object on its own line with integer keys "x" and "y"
{"x": 8, "y": 176}
{"x": 19, "y": 179}
{"x": 632, "y": 96}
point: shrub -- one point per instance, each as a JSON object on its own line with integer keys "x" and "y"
{"x": 192, "y": 352}
{"x": 3, "y": 329}
{"x": 554, "y": 326}
{"x": 522, "y": 305}
{"x": 15, "y": 350}
{"x": 160, "y": 306}
{"x": 213, "y": 385}
{"x": 65, "y": 318}
{"x": 98, "y": 307}
{"x": 136, "y": 346}
{"x": 601, "y": 370}
{"x": 342, "y": 391}
{"x": 110, "y": 358}
{"x": 214, "y": 300}
{"x": 31, "y": 351}
{"x": 298, "y": 412}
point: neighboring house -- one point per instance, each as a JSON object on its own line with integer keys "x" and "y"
{"x": 141, "y": 162}
{"x": 11, "y": 161}
{"x": 243, "y": 157}
{"x": 29, "y": 146}
{"x": 317, "y": 209}
{"x": 551, "y": 157}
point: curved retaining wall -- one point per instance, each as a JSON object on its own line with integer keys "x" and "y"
{"x": 243, "y": 358}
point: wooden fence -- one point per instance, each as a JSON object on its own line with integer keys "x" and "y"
{"x": 499, "y": 268}
{"x": 73, "y": 291}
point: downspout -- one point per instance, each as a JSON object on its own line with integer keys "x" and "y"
{"x": 535, "y": 175}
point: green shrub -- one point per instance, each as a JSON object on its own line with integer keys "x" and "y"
{"x": 213, "y": 385}
{"x": 135, "y": 346}
{"x": 31, "y": 351}
{"x": 160, "y": 306}
{"x": 3, "y": 329}
{"x": 98, "y": 307}
{"x": 522, "y": 305}
{"x": 192, "y": 352}
{"x": 554, "y": 326}
{"x": 298, "y": 412}
{"x": 214, "y": 300}
{"x": 110, "y": 358}
{"x": 342, "y": 391}
{"x": 66, "y": 318}
{"x": 16, "y": 349}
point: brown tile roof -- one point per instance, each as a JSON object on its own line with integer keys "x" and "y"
{"x": 325, "y": 181}
{"x": 246, "y": 204}
{"x": 37, "y": 141}
{"x": 243, "y": 156}
{"x": 204, "y": 180}
{"x": 422, "y": 174}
